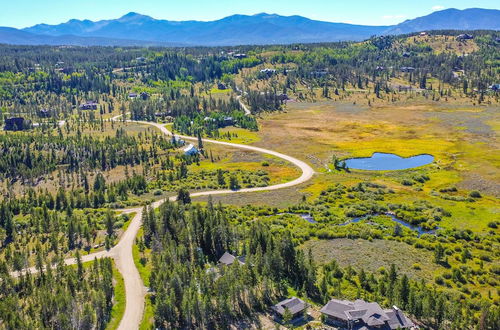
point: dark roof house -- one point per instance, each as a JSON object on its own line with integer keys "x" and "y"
{"x": 295, "y": 305}
{"x": 364, "y": 315}
{"x": 465, "y": 36}
{"x": 89, "y": 105}
{"x": 17, "y": 124}
{"x": 228, "y": 121}
{"x": 144, "y": 95}
{"x": 283, "y": 97}
{"x": 407, "y": 69}
{"x": 221, "y": 86}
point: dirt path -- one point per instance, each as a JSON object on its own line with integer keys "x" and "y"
{"x": 122, "y": 252}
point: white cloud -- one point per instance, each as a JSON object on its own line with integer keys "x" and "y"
{"x": 438, "y": 7}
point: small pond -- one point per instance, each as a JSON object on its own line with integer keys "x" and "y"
{"x": 387, "y": 162}
{"x": 307, "y": 217}
{"x": 418, "y": 229}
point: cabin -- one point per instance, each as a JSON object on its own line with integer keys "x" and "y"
{"x": 89, "y": 105}
{"x": 140, "y": 59}
{"x": 360, "y": 314}
{"x": 423, "y": 34}
{"x": 297, "y": 308}
{"x": 228, "y": 259}
{"x": 465, "y": 36}
{"x": 240, "y": 56}
{"x": 495, "y": 87}
{"x": 177, "y": 141}
{"x": 162, "y": 115}
{"x": 221, "y": 86}
{"x": 132, "y": 95}
{"x": 228, "y": 121}
{"x": 268, "y": 71}
{"x": 407, "y": 69}
{"x": 190, "y": 150}
{"x": 406, "y": 54}
{"x": 144, "y": 95}
{"x": 17, "y": 124}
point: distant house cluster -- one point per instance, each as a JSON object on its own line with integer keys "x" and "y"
{"x": 89, "y": 105}
{"x": 345, "y": 314}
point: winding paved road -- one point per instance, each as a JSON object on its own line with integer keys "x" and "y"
{"x": 135, "y": 291}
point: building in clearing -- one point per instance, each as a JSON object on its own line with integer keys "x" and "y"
{"x": 364, "y": 315}
{"x": 17, "y": 124}
{"x": 177, "y": 141}
{"x": 221, "y": 86}
{"x": 465, "y": 36}
{"x": 190, "y": 150}
{"x": 228, "y": 259}
{"x": 297, "y": 308}
{"x": 495, "y": 87}
{"x": 89, "y": 105}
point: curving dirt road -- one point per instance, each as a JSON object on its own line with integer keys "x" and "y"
{"x": 135, "y": 291}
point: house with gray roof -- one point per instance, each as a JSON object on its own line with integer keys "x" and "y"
{"x": 296, "y": 306}
{"x": 190, "y": 150}
{"x": 362, "y": 315}
{"x": 228, "y": 259}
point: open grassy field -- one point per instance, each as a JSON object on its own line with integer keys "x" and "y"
{"x": 371, "y": 256}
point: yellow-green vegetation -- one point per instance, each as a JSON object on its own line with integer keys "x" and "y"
{"x": 439, "y": 44}
{"x": 238, "y": 135}
{"x": 141, "y": 256}
{"x": 118, "y": 300}
{"x": 372, "y": 255}
{"x": 316, "y": 132}
{"x": 148, "y": 316}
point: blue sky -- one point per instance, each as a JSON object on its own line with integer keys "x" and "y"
{"x": 23, "y": 13}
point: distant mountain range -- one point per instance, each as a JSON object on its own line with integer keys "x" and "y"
{"x": 139, "y": 30}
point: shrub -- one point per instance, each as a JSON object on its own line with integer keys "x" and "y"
{"x": 475, "y": 194}
{"x": 417, "y": 266}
